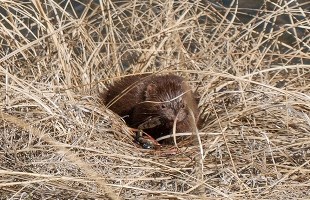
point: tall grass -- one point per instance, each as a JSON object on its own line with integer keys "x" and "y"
{"x": 251, "y": 70}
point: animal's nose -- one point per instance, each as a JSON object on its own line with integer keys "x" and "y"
{"x": 178, "y": 116}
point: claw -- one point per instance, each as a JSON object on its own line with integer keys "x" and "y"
{"x": 145, "y": 140}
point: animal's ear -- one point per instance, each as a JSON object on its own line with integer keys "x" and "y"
{"x": 151, "y": 90}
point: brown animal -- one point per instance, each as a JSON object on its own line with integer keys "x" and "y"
{"x": 153, "y": 102}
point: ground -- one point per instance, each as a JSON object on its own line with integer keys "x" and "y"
{"x": 251, "y": 75}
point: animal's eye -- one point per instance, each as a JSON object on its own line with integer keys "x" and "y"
{"x": 183, "y": 106}
{"x": 163, "y": 106}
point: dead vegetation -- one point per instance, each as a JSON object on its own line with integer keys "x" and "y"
{"x": 58, "y": 141}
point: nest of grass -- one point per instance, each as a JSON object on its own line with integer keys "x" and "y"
{"x": 57, "y": 140}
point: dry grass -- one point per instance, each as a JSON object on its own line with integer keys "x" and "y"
{"x": 58, "y": 141}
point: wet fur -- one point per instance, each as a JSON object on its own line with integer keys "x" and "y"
{"x": 140, "y": 98}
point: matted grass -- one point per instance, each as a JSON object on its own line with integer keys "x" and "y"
{"x": 57, "y": 140}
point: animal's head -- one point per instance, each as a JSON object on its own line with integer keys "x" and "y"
{"x": 168, "y": 101}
